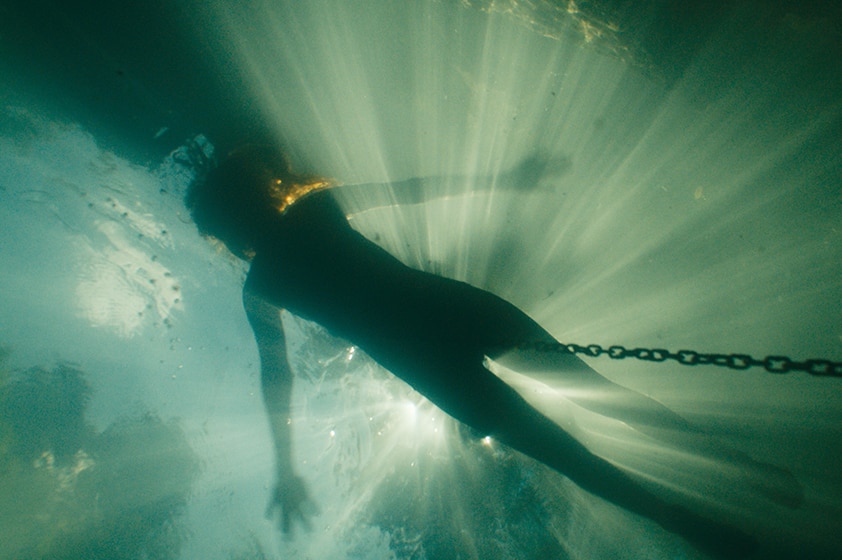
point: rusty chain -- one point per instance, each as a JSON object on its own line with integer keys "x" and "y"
{"x": 772, "y": 364}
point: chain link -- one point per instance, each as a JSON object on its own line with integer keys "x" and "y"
{"x": 772, "y": 364}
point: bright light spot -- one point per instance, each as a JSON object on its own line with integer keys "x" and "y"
{"x": 699, "y": 193}
{"x": 410, "y": 412}
{"x": 333, "y": 433}
{"x": 486, "y": 441}
{"x": 121, "y": 284}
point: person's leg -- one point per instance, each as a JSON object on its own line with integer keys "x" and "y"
{"x": 511, "y": 338}
{"x": 483, "y": 401}
{"x": 582, "y": 385}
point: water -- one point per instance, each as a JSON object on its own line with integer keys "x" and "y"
{"x": 695, "y": 204}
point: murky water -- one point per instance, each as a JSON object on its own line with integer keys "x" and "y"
{"x": 693, "y": 202}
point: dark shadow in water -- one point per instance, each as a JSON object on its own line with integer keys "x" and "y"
{"x": 67, "y": 491}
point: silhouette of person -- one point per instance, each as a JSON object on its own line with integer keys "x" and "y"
{"x": 434, "y": 333}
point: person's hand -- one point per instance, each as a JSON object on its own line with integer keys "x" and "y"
{"x": 292, "y": 502}
{"x": 527, "y": 174}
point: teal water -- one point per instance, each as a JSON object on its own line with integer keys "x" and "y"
{"x": 695, "y": 203}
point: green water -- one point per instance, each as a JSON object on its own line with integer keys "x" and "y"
{"x": 695, "y": 203}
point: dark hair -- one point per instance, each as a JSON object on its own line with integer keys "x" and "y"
{"x": 237, "y": 200}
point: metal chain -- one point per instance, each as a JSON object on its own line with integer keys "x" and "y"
{"x": 772, "y": 364}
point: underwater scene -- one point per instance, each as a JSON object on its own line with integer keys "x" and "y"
{"x": 661, "y": 180}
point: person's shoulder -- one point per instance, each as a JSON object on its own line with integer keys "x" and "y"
{"x": 322, "y": 201}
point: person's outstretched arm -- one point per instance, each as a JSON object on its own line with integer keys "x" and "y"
{"x": 290, "y": 495}
{"x": 524, "y": 177}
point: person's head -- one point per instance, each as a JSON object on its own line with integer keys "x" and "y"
{"x": 239, "y": 200}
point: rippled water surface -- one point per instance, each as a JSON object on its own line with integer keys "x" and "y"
{"x": 693, "y": 201}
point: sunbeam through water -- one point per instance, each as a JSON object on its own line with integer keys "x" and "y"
{"x": 679, "y": 187}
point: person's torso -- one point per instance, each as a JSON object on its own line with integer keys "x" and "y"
{"x": 323, "y": 270}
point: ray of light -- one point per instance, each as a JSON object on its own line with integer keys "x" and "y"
{"x": 701, "y": 214}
